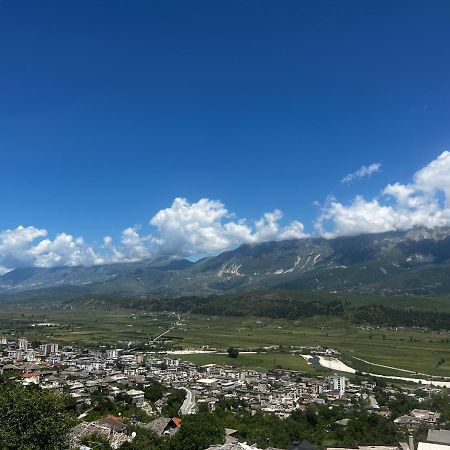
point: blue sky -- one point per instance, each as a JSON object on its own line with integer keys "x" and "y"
{"x": 111, "y": 110}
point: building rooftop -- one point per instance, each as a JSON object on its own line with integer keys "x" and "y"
{"x": 439, "y": 436}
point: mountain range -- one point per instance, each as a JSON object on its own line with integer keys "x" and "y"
{"x": 415, "y": 262}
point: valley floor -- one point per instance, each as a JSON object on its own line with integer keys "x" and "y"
{"x": 403, "y": 352}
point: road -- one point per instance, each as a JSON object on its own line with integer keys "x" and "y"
{"x": 162, "y": 334}
{"x": 336, "y": 364}
{"x": 189, "y": 402}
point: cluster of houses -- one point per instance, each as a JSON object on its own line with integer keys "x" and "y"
{"x": 436, "y": 440}
{"x": 82, "y": 372}
{"x": 21, "y": 350}
{"x": 418, "y": 418}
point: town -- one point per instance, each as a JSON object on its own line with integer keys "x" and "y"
{"x": 157, "y": 391}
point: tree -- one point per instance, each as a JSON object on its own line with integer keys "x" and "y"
{"x": 32, "y": 418}
{"x": 144, "y": 439}
{"x": 233, "y": 352}
{"x": 35, "y": 344}
{"x": 174, "y": 402}
{"x": 154, "y": 392}
{"x": 96, "y": 442}
{"x": 198, "y": 432}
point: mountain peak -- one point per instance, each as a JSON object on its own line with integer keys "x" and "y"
{"x": 415, "y": 261}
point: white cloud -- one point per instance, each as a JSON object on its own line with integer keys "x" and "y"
{"x": 363, "y": 171}
{"x": 30, "y": 247}
{"x": 185, "y": 229}
{"x": 207, "y": 227}
{"x": 435, "y": 177}
{"x": 359, "y": 217}
{"x": 132, "y": 247}
{"x": 423, "y": 202}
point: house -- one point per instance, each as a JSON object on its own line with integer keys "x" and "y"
{"x": 236, "y": 446}
{"x": 230, "y": 436}
{"x": 30, "y": 378}
{"x": 431, "y": 446}
{"x": 163, "y": 426}
{"x": 114, "y": 424}
{"x": 112, "y": 428}
{"x": 416, "y": 418}
{"x": 439, "y": 436}
{"x": 303, "y": 445}
{"x": 367, "y": 447}
{"x": 373, "y": 404}
{"x": 425, "y": 415}
{"x": 210, "y": 383}
{"x": 136, "y": 395}
{"x": 436, "y": 440}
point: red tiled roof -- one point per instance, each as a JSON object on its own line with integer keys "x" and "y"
{"x": 30, "y": 375}
{"x": 116, "y": 417}
{"x": 176, "y": 421}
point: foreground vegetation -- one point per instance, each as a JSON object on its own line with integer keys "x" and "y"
{"x": 34, "y": 419}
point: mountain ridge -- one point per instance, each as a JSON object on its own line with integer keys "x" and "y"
{"x": 415, "y": 262}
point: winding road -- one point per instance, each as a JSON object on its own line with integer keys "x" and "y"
{"x": 189, "y": 402}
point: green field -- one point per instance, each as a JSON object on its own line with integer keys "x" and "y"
{"x": 407, "y": 349}
{"x": 259, "y": 361}
{"x": 85, "y": 327}
{"x": 416, "y": 350}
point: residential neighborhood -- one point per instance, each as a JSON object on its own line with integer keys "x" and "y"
{"x": 90, "y": 376}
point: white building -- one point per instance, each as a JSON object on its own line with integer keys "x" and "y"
{"x": 171, "y": 363}
{"x": 23, "y": 344}
{"x": 337, "y": 384}
{"x": 112, "y": 353}
{"x": 53, "y": 348}
{"x": 48, "y": 349}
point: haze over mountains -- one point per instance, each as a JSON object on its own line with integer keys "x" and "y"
{"x": 411, "y": 262}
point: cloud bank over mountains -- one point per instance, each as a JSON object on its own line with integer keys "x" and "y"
{"x": 208, "y": 227}
{"x": 185, "y": 229}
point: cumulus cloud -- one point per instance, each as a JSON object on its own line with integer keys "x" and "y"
{"x": 207, "y": 227}
{"x": 425, "y": 201}
{"x": 30, "y": 247}
{"x": 184, "y": 229}
{"x": 363, "y": 171}
{"x": 132, "y": 247}
{"x": 15, "y": 244}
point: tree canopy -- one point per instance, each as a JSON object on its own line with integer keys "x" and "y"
{"x": 32, "y": 418}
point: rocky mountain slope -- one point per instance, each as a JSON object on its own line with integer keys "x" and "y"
{"x": 411, "y": 262}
